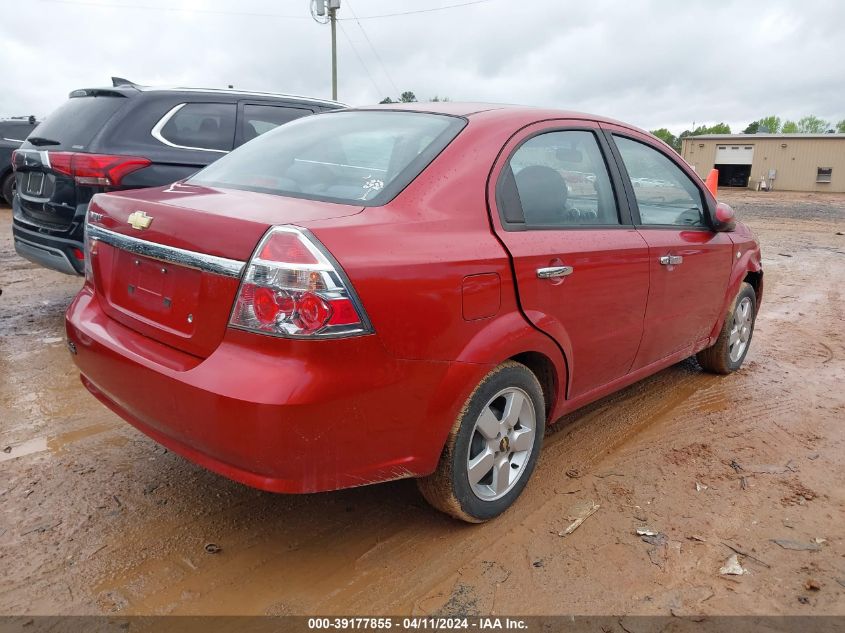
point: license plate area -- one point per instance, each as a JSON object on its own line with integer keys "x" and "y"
{"x": 34, "y": 183}
{"x": 158, "y": 293}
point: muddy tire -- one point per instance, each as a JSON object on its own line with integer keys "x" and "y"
{"x": 7, "y": 187}
{"x": 729, "y": 350}
{"x": 492, "y": 448}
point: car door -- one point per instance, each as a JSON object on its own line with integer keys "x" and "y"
{"x": 689, "y": 263}
{"x": 580, "y": 266}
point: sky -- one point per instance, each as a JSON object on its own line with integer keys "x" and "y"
{"x": 652, "y": 63}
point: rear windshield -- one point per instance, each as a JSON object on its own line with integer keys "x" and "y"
{"x": 362, "y": 157}
{"x": 74, "y": 124}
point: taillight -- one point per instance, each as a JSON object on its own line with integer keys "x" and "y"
{"x": 102, "y": 170}
{"x": 293, "y": 288}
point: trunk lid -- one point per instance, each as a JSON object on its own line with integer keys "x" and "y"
{"x": 176, "y": 280}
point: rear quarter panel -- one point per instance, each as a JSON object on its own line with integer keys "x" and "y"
{"x": 408, "y": 261}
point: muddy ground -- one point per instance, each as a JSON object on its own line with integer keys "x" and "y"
{"x": 97, "y": 518}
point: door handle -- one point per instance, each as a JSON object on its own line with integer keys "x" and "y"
{"x": 671, "y": 260}
{"x": 554, "y": 271}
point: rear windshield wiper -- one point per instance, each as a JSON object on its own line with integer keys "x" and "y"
{"x": 40, "y": 140}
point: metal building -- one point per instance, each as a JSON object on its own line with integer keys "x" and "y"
{"x": 789, "y": 162}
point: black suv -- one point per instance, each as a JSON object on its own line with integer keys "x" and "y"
{"x": 125, "y": 137}
{"x": 12, "y": 133}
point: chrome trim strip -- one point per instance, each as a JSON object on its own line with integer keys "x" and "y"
{"x": 245, "y": 93}
{"x": 156, "y": 132}
{"x": 190, "y": 259}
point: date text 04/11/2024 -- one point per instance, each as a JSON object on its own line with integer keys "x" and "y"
{"x": 418, "y": 623}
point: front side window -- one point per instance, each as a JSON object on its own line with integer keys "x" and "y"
{"x": 561, "y": 180}
{"x": 209, "y": 126}
{"x": 665, "y": 194}
{"x": 258, "y": 119}
{"x": 364, "y": 157}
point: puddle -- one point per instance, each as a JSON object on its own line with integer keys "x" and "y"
{"x": 25, "y": 448}
{"x": 54, "y": 444}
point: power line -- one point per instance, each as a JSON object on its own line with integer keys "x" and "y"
{"x": 360, "y": 59}
{"x": 415, "y": 11}
{"x": 144, "y": 7}
{"x": 375, "y": 52}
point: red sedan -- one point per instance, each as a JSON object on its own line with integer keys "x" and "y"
{"x": 379, "y": 293}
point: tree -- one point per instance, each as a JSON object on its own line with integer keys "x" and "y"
{"x": 770, "y": 124}
{"x": 667, "y": 137}
{"x": 752, "y": 128}
{"x": 719, "y": 128}
{"x": 790, "y": 127}
{"x": 410, "y": 97}
{"x": 812, "y": 124}
{"x": 840, "y": 127}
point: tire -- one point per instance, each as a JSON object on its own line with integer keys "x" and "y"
{"x": 725, "y": 356}
{"x": 484, "y": 434}
{"x": 8, "y": 187}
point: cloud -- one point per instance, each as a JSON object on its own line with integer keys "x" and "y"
{"x": 653, "y": 63}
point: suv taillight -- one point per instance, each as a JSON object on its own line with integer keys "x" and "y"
{"x": 102, "y": 170}
{"x": 294, "y": 288}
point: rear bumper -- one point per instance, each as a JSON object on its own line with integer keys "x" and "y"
{"x": 275, "y": 414}
{"x": 46, "y": 256}
{"x": 48, "y": 249}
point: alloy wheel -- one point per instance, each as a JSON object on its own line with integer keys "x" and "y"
{"x": 502, "y": 443}
{"x": 743, "y": 320}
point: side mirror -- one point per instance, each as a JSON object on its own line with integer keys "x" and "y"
{"x": 724, "y": 219}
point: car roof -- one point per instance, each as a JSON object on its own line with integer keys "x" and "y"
{"x": 129, "y": 89}
{"x": 502, "y": 111}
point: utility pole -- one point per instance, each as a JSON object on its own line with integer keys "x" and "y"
{"x": 319, "y": 8}
{"x": 334, "y": 5}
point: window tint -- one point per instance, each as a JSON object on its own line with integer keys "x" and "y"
{"x": 75, "y": 123}
{"x": 259, "y": 119}
{"x": 363, "y": 157}
{"x": 15, "y": 131}
{"x": 665, "y": 194}
{"x": 202, "y": 126}
{"x": 561, "y": 180}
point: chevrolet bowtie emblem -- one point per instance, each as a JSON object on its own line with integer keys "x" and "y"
{"x": 140, "y": 220}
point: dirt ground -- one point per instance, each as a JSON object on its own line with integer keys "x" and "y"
{"x": 97, "y": 518}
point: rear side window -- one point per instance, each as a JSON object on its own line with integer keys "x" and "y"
{"x": 15, "y": 131}
{"x": 75, "y": 123}
{"x": 258, "y": 119}
{"x": 665, "y": 194}
{"x": 561, "y": 180}
{"x": 208, "y": 126}
{"x": 362, "y": 157}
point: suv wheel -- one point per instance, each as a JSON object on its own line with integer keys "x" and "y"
{"x": 492, "y": 448}
{"x": 8, "y": 187}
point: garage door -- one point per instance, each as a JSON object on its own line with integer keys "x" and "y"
{"x": 734, "y": 154}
